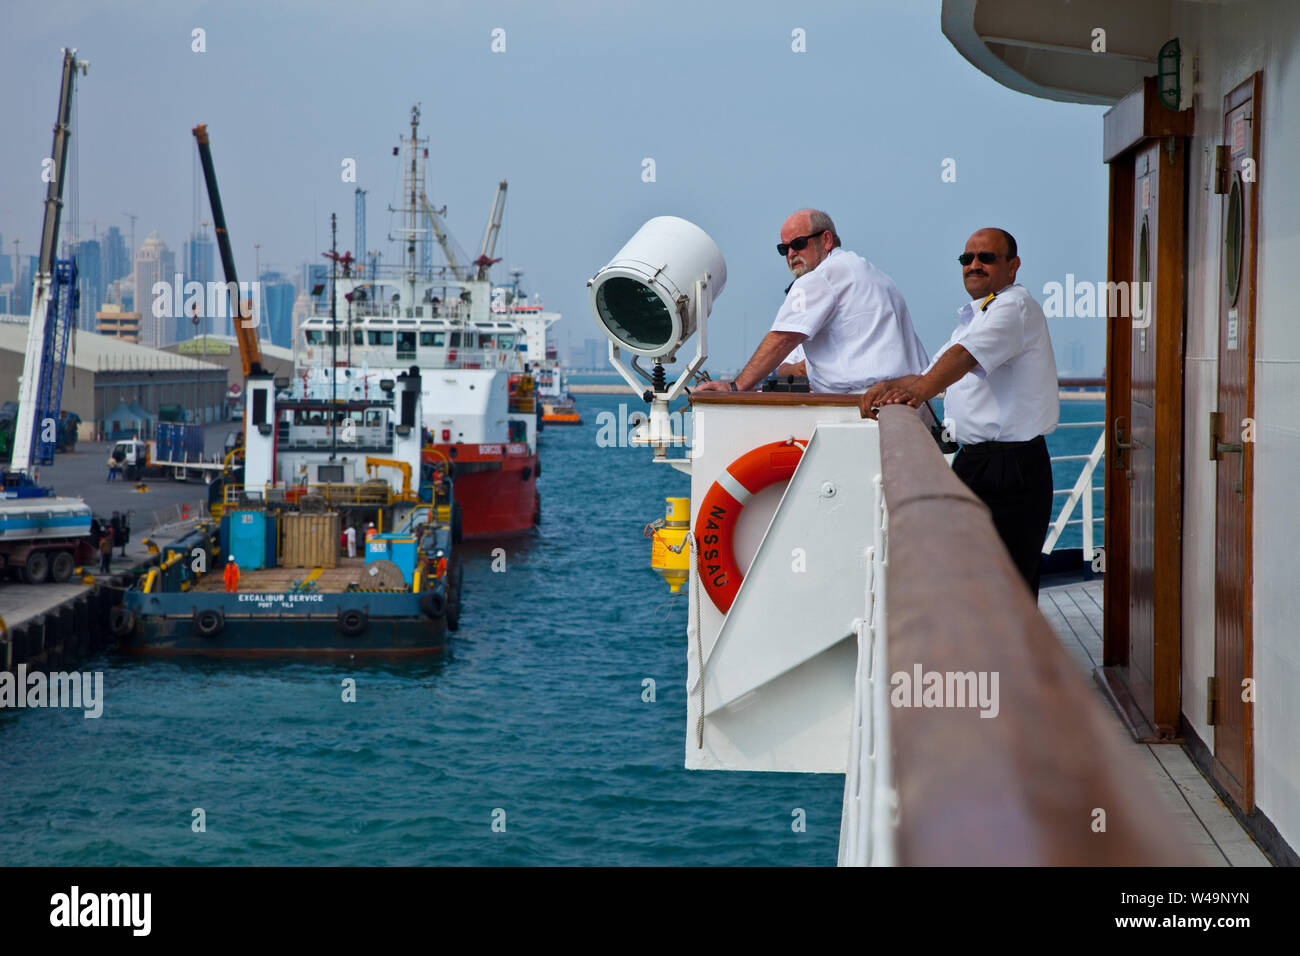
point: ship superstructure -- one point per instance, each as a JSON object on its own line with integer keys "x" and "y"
{"x": 469, "y": 340}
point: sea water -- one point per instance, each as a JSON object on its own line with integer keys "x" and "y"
{"x": 532, "y": 742}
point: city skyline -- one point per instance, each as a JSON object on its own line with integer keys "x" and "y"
{"x": 764, "y": 110}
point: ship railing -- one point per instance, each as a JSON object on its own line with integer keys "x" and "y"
{"x": 1033, "y": 774}
{"x": 867, "y": 820}
{"x": 1080, "y": 495}
{"x": 373, "y": 495}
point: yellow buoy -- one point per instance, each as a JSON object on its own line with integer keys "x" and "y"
{"x": 669, "y": 553}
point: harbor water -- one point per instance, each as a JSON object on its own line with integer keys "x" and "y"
{"x": 532, "y": 742}
{"x": 535, "y": 721}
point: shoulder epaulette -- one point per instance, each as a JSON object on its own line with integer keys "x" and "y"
{"x": 985, "y": 306}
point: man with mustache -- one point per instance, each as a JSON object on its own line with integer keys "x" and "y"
{"x": 1002, "y": 397}
{"x": 848, "y": 316}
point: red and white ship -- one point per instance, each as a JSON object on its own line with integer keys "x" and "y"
{"x": 555, "y": 406}
{"x": 441, "y": 319}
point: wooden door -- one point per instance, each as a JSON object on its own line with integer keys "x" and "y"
{"x": 1233, "y": 446}
{"x": 1142, "y": 411}
{"x": 1146, "y": 145}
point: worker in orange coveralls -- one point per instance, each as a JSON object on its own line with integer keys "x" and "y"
{"x": 231, "y": 576}
{"x": 440, "y": 565}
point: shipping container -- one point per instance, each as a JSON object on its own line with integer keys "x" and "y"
{"x": 180, "y": 441}
{"x": 311, "y": 540}
{"x": 250, "y": 538}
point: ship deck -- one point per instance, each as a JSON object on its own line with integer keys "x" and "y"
{"x": 1075, "y": 612}
{"x": 281, "y": 580}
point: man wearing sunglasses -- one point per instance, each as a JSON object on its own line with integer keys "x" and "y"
{"x": 1002, "y": 396}
{"x": 848, "y": 316}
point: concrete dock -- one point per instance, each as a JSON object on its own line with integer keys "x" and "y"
{"x": 52, "y": 626}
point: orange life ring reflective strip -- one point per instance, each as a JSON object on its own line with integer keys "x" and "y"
{"x": 715, "y": 524}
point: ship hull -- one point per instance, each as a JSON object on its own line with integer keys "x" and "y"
{"x": 275, "y": 625}
{"x": 496, "y": 486}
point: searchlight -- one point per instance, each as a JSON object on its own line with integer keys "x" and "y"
{"x": 652, "y": 297}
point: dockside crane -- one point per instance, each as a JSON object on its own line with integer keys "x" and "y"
{"x": 485, "y": 260}
{"x": 53, "y": 315}
{"x": 250, "y": 350}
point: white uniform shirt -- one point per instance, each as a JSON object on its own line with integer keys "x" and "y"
{"x": 858, "y": 327}
{"x": 351, "y": 535}
{"x": 1013, "y": 394}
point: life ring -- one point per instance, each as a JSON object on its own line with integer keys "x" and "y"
{"x": 353, "y": 622}
{"x": 209, "y": 622}
{"x": 121, "y": 621}
{"x": 715, "y": 525}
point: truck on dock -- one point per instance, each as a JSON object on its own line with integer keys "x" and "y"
{"x": 45, "y": 538}
{"x": 176, "y": 453}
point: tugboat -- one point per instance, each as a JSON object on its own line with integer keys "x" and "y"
{"x": 314, "y": 465}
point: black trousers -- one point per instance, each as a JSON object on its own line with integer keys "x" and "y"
{"x": 1015, "y": 480}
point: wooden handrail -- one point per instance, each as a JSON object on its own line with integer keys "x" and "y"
{"x": 1024, "y": 787}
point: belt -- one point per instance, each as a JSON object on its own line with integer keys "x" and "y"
{"x": 991, "y": 447}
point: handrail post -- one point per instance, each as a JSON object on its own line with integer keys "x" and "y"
{"x": 1087, "y": 515}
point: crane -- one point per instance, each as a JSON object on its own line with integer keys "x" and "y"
{"x": 444, "y": 240}
{"x": 53, "y": 313}
{"x": 485, "y": 260}
{"x": 250, "y": 351}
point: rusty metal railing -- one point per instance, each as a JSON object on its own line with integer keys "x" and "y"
{"x": 373, "y": 495}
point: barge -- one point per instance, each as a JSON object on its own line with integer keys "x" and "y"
{"x": 314, "y": 466}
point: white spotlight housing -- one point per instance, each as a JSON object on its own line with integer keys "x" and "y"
{"x": 655, "y": 294}
{"x": 644, "y": 298}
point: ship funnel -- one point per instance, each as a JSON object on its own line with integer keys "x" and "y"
{"x": 645, "y": 300}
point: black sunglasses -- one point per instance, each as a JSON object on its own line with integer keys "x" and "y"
{"x": 798, "y": 243}
{"x": 988, "y": 258}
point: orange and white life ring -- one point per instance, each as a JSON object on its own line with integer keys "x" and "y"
{"x": 715, "y": 525}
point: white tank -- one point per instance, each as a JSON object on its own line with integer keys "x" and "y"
{"x": 643, "y": 298}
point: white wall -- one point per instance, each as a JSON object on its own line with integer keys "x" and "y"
{"x": 1232, "y": 42}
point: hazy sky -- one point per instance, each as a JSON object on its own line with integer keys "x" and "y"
{"x": 742, "y": 129}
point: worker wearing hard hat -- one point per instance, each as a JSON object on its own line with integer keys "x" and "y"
{"x": 231, "y": 576}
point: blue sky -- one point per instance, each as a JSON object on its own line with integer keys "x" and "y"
{"x": 742, "y": 129}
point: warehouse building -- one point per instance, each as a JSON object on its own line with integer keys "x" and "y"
{"x": 223, "y": 351}
{"x": 104, "y": 372}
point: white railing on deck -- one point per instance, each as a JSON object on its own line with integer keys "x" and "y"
{"x": 870, "y": 804}
{"x": 1081, "y": 494}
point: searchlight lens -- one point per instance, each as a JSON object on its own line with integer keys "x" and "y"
{"x": 634, "y": 314}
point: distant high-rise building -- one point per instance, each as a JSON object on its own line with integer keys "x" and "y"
{"x": 277, "y": 300}
{"x": 594, "y": 354}
{"x": 155, "y": 263}
{"x": 314, "y": 274}
{"x": 90, "y": 282}
{"x": 116, "y": 257}
{"x": 1073, "y": 357}
{"x": 6, "y": 264}
{"x": 197, "y": 254}
{"x": 120, "y": 292}
{"x": 21, "y": 303}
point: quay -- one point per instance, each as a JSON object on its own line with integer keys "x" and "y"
{"x": 55, "y": 626}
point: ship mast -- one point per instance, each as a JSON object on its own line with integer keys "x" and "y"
{"x": 414, "y": 181}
